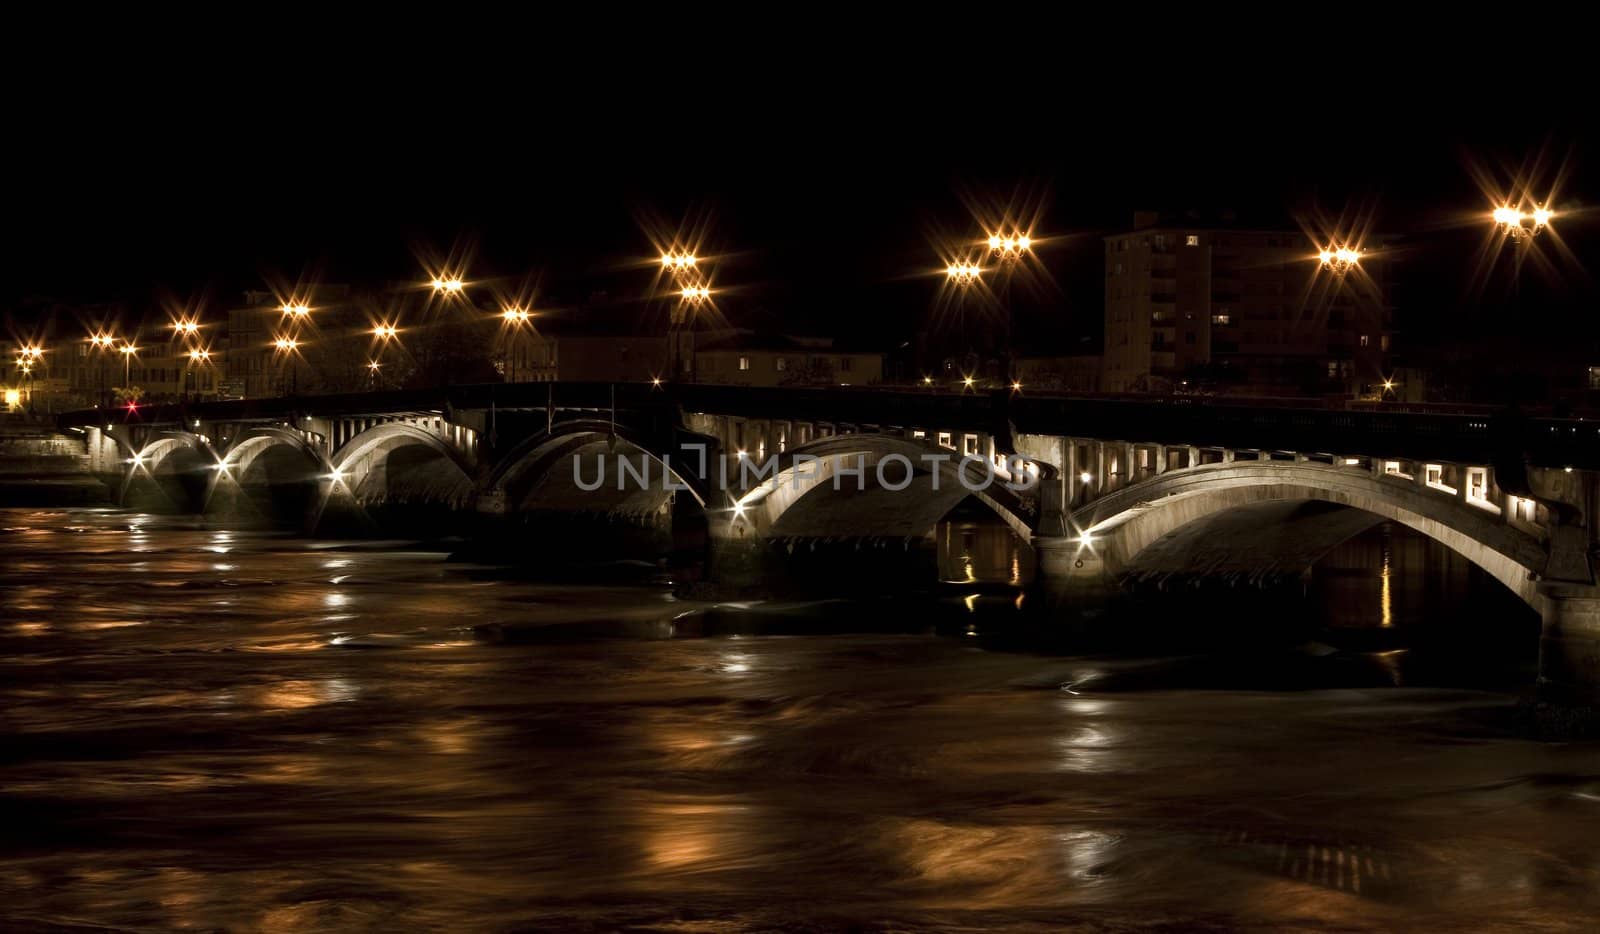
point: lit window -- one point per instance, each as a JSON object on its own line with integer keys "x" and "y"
{"x": 944, "y": 440}
{"x": 1478, "y": 483}
{"x": 1220, "y": 319}
{"x": 1191, "y": 240}
{"x": 782, "y": 364}
{"x": 1594, "y": 377}
{"x": 969, "y": 444}
{"x": 1364, "y": 340}
{"x": 744, "y": 363}
{"x": 919, "y": 433}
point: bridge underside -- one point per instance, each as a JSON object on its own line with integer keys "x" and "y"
{"x": 1264, "y": 540}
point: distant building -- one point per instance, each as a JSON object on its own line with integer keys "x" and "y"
{"x": 610, "y": 358}
{"x": 752, "y": 360}
{"x": 1196, "y": 305}
{"x": 1067, "y": 373}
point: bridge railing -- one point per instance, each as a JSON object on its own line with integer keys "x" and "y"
{"x": 1377, "y": 429}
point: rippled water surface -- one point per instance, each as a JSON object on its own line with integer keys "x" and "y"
{"x": 213, "y": 730}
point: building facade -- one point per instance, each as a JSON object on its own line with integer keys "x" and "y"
{"x": 1192, "y": 306}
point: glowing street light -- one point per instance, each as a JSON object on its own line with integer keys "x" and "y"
{"x": 385, "y": 332}
{"x": 963, "y": 273}
{"x": 1519, "y": 224}
{"x": 295, "y": 309}
{"x": 128, "y": 352}
{"x": 694, "y": 294}
{"x": 450, "y": 285}
{"x": 967, "y": 382}
{"x": 186, "y": 326}
{"x": 1339, "y": 260}
{"x": 678, "y": 262}
{"x": 199, "y": 355}
{"x": 1010, "y": 247}
{"x": 516, "y": 315}
{"x": 101, "y": 339}
{"x": 286, "y": 344}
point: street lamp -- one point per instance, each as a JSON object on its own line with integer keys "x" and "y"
{"x": 963, "y": 273}
{"x": 1522, "y": 225}
{"x": 197, "y": 356}
{"x": 1339, "y": 260}
{"x": 287, "y": 346}
{"x": 186, "y": 327}
{"x": 516, "y": 316}
{"x": 679, "y": 320}
{"x": 297, "y": 310}
{"x": 101, "y": 342}
{"x": 448, "y": 284}
{"x": 678, "y": 262}
{"x": 128, "y": 351}
{"x": 1007, "y": 249}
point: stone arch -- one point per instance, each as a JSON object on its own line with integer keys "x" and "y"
{"x": 366, "y": 466}
{"x": 800, "y": 500}
{"x": 248, "y": 447}
{"x": 176, "y": 462}
{"x": 1119, "y": 527}
{"x": 530, "y": 462}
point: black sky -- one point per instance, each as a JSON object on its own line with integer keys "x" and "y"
{"x": 828, "y": 206}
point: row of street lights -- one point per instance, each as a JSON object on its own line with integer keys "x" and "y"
{"x": 692, "y": 289}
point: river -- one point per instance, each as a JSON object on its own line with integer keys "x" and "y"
{"x": 207, "y": 729}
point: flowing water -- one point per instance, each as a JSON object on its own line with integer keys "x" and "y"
{"x": 203, "y": 729}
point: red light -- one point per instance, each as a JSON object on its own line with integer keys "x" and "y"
{"x": 133, "y": 406}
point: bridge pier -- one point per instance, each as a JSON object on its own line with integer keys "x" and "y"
{"x": 1071, "y": 573}
{"x": 1569, "y": 647}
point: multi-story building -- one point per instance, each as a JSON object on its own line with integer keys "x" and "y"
{"x": 783, "y": 361}
{"x": 1197, "y": 305}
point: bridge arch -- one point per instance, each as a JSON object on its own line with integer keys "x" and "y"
{"x": 249, "y": 447}
{"x": 1119, "y": 528}
{"x": 177, "y": 463}
{"x": 803, "y": 500}
{"x": 540, "y": 458}
{"x": 397, "y": 460}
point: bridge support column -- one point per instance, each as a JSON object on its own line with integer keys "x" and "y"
{"x": 1072, "y": 573}
{"x": 1569, "y": 647}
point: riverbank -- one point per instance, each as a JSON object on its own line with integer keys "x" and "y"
{"x": 42, "y": 467}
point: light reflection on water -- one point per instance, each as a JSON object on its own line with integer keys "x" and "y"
{"x": 192, "y": 747}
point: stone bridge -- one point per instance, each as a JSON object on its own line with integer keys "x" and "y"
{"x": 1211, "y": 486}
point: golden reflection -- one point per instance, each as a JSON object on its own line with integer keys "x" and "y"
{"x": 298, "y": 695}
{"x": 1383, "y": 590}
{"x": 690, "y": 836}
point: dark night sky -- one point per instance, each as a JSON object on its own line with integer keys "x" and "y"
{"x": 828, "y": 210}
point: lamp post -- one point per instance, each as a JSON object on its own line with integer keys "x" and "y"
{"x": 383, "y": 333}
{"x": 128, "y": 351}
{"x": 680, "y": 265}
{"x": 1008, "y": 249}
{"x": 964, "y": 275}
{"x": 196, "y": 356}
{"x": 101, "y": 342}
{"x": 690, "y": 298}
{"x": 287, "y": 347}
{"x": 516, "y": 316}
{"x": 1520, "y": 227}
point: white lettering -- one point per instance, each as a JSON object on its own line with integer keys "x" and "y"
{"x": 909, "y": 470}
